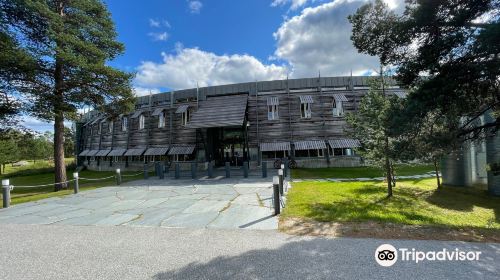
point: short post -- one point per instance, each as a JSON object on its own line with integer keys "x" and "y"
{"x": 193, "y": 170}
{"x": 157, "y": 169}
{"x": 177, "y": 170}
{"x": 146, "y": 175}
{"x": 264, "y": 169}
{"x": 245, "y": 169}
{"x": 285, "y": 170}
{"x": 161, "y": 169}
{"x": 6, "y": 193}
{"x": 276, "y": 195}
{"x": 280, "y": 175}
{"x": 77, "y": 187}
{"x": 118, "y": 176}
{"x": 228, "y": 170}
{"x": 210, "y": 170}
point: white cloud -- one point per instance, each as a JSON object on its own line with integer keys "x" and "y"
{"x": 195, "y": 6}
{"x": 154, "y": 23}
{"x": 295, "y": 4}
{"x": 318, "y": 39}
{"x": 188, "y": 66}
{"x": 158, "y": 36}
{"x": 40, "y": 125}
{"x": 142, "y": 91}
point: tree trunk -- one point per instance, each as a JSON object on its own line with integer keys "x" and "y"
{"x": 388, "y": 169}
{"x": 437, "y": 173}
{"x": 59, "y": 165}
{"x": 1, "y": 172}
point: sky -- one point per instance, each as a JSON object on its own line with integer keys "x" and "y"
{"x": 177, "y": 44}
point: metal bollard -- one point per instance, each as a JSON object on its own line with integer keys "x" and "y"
{"x": 177, "y": 171}
{"x": 157, "y": 169}
{"x": 210, "y": 170}
{"x": 285, "y": 170}
{"x": 161, "y": 169}
{"x": 118, "y": 176}
{"x": 264, "y": 169}
{"x": 6, "y": 193}
{"x": 228, "y": 170}
{"x": 276, "y": 195}
{"x": 280, "y": 175}
{"x": 77, "y": 187}
{"x": 193, "y": 170}
{"x": 245, "y": 169}
{"x": 146, "y": 175}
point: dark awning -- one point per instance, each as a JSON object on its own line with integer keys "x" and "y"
{"x": 220, "y": 112}
{"x": 136, "y": 114}
{"x": 157, "y": 111}
{"x": 117, "y": 152}
{"x": 339, "y": 97}
{"x": 84, "y": 153}
{"x": 277, "y": 146}
{"x": 158, "y": 151}
{"x": 181, "y": 109}
{"x": 306, "y": 99}
{"x": 92, "y": 153}
{"x": 310, "y": 145}
{"x": 103, "y": 153}
{"x": 135, "y": 152}
{"x": 181, "y": 150}
{"x": 344, "y": 143}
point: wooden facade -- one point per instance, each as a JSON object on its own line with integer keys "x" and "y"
{"x": 290, "y": 125}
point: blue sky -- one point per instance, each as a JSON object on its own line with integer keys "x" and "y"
{"x": 176, "y": 44}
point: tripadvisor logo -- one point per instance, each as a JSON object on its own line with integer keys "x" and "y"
{"x": 387, "y": 255}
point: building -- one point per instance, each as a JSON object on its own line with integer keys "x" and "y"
{"x": 468, "y": 166}
{"x": 299, "y": 119}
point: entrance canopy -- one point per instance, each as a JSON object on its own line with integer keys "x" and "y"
{"x": 156, "y": 151}
{"x": 310, "y": 145}
{"x": 344, "y": 143}
{"x": 276, "y": 146}
{"x": 220, "y": 112}
{"x": 181, "y": 150}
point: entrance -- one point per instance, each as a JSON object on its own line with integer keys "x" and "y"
{"x": 226, "y": 144}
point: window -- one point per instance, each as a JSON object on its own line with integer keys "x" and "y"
{"x": 272, "y": 112}
{"x": 142, "y": 120}
{"x": 186, "y": 117}
{"x": 124, "y": 123}
{"x": 342, "y": 152}
{"x": 100, "y": 127}
{"x": 305, "y": 110}
{"x": 110, "y": 127}
{"x": 161, "y": 120}
{"x": 337, "y": 109}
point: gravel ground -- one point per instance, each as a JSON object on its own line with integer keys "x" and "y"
{"x": 115, "y": 252}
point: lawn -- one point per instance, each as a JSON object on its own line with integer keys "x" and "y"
{"x": 42, "y": 173}
{"x": 358, "y": 172}
{"x": 415, "y": 202}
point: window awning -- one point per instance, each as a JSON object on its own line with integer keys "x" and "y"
{"x": 276, "y": 146}
{"x": 401, "y": 94}
{"x": 344, "y": 143}
{"x": 157, "y": 111}
{"x": 135, "y": 152}
{"x": 92, "y": 153}
{"x": 272, "y": 101}
{"x": 117, "y": 152}
{"x": 220, "y": 112}
{"x": 309, "y": 145}
{"x": 181, "y": 109}
{"x": 158, "y": 151}
{"x": 83, "y": 153}
{"x": 103, "y": 153}
{"x": 181, "y": 150}
{"x": 136, "y": 114}
{"x": 306, "y": 99}
{"x": 339, "y": 97}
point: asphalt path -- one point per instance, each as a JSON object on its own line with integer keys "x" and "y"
{"x": 120, "y": 252}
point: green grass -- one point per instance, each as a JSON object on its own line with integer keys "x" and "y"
{"x": 415, "y": 202}
{"x": 358, "y": 172}
{"x": 33, "y": 167}
{"x": 42, "y": 173}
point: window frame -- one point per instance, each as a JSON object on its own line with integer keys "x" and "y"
{"x": 161, "y": 119}
{"x": 110, "y": 126}
{"x": 124, "y": 123}
{"x": 142, "y": 122}
{"x": 337, "y": 108}
{"x": 272, "y": 112}
{"x": 305, "y": 110}
{"x": 185, "y": 117}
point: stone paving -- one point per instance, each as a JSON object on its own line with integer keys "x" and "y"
{"x": 222, "y": 203}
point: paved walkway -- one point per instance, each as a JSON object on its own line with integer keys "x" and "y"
{"x": 223, "y": 203}
{"x": 68, "y": 252}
